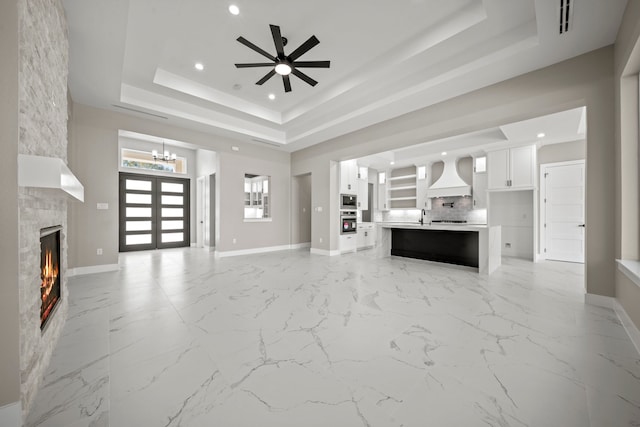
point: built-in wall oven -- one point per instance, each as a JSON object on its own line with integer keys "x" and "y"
{"x": 348, "y": 222}
{"x": 348, "y": 201}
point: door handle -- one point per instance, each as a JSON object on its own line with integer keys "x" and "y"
{"x": 581, "y": 225}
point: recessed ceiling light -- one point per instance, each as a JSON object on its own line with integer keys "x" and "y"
{"x": 444, "y": 153}
{"x": 199, "y": 66}
{"x": 392, "y": 163}
{"x": 234, "y": 10}
{"x": 541, "y": 135}
{"x": 272, "y": 96}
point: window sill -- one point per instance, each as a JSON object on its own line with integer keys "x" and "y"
{"x": 631, "y": 269}
{"x": 257, "y": 219}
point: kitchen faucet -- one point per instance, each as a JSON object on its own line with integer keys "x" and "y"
{"x": 422, "y": 214}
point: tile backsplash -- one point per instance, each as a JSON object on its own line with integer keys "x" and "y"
{"x": 461, "y": 210}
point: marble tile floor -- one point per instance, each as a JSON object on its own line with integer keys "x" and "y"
{"x": 284, "y": 339}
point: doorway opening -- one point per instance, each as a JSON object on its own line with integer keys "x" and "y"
{"x": 301, "y": 211}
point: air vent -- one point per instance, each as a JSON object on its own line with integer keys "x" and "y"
{"x": 566, "y": 12}
{"x": 140, "y": 111}
{"x": 273, "y": 144}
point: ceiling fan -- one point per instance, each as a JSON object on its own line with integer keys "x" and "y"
{"x": 284, "y": 64}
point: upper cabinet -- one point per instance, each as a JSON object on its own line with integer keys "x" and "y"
{"x": 422, "y": 185}
{"x": 363, "y": 188}
{"x": 383, "y": 195}
{"x": 480, "y": 182}
{"x": 349, "y": 177}
{"x": 512, "y": 168}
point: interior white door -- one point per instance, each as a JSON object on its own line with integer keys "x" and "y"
{"x": 564, "y": 212}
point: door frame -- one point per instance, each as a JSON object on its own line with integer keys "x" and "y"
{"x": 156, "y": 208}
{"x": 543, "y": 194}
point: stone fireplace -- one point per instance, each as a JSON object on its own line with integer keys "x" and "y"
{"x": 50, "y": 272}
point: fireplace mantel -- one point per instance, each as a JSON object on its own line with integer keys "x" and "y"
{"x": 48, "y": 172}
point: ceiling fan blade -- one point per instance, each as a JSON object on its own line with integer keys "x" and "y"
{"x": 304, "y": 48}
{"x": 277, "y": 40}
{"x": 311, "y": 64}
{"x": 304, "y": 77}
{"x": 255, "y": 64}
{"x": 266, "y": 77}
{"x": 256, "y": 48}
{"x": 287, "y": 83}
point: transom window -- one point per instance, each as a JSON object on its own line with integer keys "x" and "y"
{"x": 143, "y": 160}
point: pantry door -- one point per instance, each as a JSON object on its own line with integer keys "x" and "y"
{"x": 154, "y": 212}
{"x": 563, "y": 210}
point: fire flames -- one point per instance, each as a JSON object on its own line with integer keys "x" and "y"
{"x": 49, "y": 275}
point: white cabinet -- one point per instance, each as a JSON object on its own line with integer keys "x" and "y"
{"x": 511, "y": 168}
{"x": 422, "y": 186}
{"x": 348, "y": 242}
{"x": 366, "y": 235}
{"x": 480, "y": 182}
{"x": 363, "y": 188}
{"x": 349, "y": 177}
{"x": 383, "y": 196}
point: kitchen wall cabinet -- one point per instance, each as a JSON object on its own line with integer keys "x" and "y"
{"x": 383, "y": 196}
{"x": 402, "y": 188}
{"x": 349, "y": 177}
{"x": 511, "y": 168}
{"x": 363, "y": 188}
{"x": 422, "y": 186}
{"x": 479, "y": 182}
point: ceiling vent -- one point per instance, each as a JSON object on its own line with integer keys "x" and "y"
{"x": 566, "y": 14}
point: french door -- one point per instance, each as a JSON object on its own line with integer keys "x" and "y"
{"x": 154, "y": 212}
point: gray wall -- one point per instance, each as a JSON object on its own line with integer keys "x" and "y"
{"x": 93, "y": 156}
{"x": 230, "y": 202}
{"x": 563, "y": 152}
{"x": 584, "y": 80}
{"x": 627, "y": 232}
{"x": 301, "y": 209}
{"x": 9, "y": 261}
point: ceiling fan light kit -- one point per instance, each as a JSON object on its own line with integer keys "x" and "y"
{"x": 282, "y": 64}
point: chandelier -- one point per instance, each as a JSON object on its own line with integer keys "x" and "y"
{"x": 165, "y": 156}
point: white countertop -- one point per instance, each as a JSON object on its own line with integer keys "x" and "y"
{"x": 438, "y": 226}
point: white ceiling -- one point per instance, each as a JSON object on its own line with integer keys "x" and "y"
{"x": 387, "y": 58}
{"x": 565, "y": 126}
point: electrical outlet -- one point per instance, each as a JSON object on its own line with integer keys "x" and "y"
{"x": 507, "y": 245}
{"x": 234, "y": 240}
{"x": 321, "y": 240}
{"x": 99, "y": 251}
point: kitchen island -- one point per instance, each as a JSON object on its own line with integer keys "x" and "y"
{"x": 472, "y": 245}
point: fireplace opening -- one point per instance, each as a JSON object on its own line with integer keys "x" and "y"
{"x": 50, "y": 272}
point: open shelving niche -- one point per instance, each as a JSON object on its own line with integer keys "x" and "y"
{"x": 403, "y": 188}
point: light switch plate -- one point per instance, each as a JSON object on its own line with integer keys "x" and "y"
{"x": 103, "y": 206}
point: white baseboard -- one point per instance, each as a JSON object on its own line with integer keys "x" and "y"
{"x": 301, "y": 245}
{"x": 92, "y": 269}
{"x": 324, "y": 252}
{"x": 223, "y": 254}
{"x": 11, "y": 415}
{"x": 627, "y": 323}
{"x": 609, "y": 302}
{"x": 599, "y": 300}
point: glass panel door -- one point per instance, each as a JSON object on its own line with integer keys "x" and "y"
{"x": 154, "y": 212}
{"x": 137, "y": 213}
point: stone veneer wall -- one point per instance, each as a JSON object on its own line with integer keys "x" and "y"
{"x": 43, "y": 50}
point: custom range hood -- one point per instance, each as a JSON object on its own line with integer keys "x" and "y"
{"x": 449, "y": 184}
